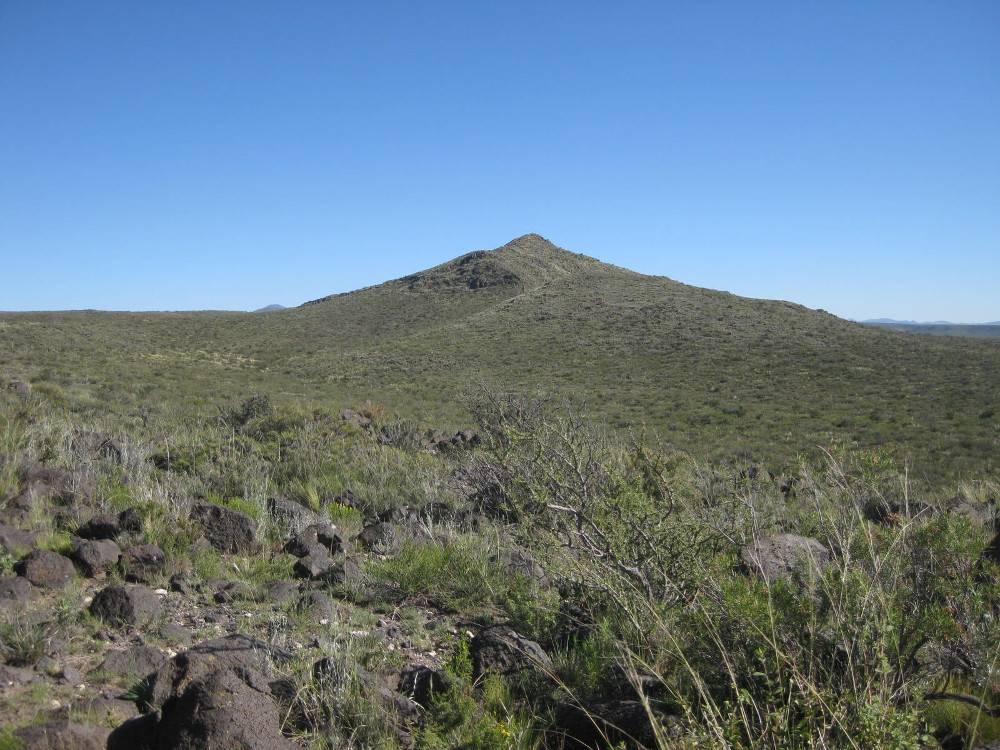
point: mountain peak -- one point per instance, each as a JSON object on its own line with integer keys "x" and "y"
{"x": 527, "y": 261}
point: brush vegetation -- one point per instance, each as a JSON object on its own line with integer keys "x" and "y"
{"x": 715, "y": 373}
{"x": 635, "y": 438}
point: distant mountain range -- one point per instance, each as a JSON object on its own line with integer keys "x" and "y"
{"x": 269, "y": 308}
{"x": 891, "y": 321}
{"x": 940, "y": 328}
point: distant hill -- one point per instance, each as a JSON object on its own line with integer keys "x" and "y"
{"x": 978, "y": 330}
{"x": 269, "y": 308}
{"x": 706, "y": 370}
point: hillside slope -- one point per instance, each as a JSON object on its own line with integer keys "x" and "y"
{"x": 708, "y": 370}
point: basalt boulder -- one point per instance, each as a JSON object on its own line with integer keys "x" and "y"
{"x": 230, "y": 531}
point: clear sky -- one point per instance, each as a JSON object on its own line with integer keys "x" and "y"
{"x": 228, "y": 155}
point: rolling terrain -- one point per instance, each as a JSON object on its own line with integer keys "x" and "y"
{"x": 265, "y": 523}
{"x": 706, "y": 370}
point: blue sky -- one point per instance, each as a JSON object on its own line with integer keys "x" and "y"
{"x": 228, "y": 155}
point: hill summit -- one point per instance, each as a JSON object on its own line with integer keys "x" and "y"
{"x": 527, "y": 262}
{"x": 705, "y": 369}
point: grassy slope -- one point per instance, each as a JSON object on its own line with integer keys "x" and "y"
{"x": 708, "y": 370}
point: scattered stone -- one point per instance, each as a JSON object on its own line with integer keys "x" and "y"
{"x": 380, "y": 537}
{"x": 317, "y": 534}
{"x": 607, "y": 723}
{"x": 16, "y": 589}
{"x": 61, "y": 735}
{"x": 136, "y": 662}
{"x": 358, "y": 420}
{"x": 284, "y": 511}
{"x": 57, "y": 485}
{"x": 784, "y": 555}
{"x": 15, "y": 540}
{"x": 171, "y": 631}
{"x": 95, "y": 556}
{"x": 503, "y": 650}
{"x": 19, "y": 387}
{"x": 138, "y": 733}
{"x": 313, "y": 565}
{"x": 317, "y": 606}
{"x": 102, "y": 526}
{"x": 992, "y": 551}
{"x": 228, "y": 530}
{"x": 230, "y": 709}
{"x": 229, "y": 652}
{"x": 181, "y": 586}
{"x": 104, "y": 709}
{"x": 45, "y": 568}
{"x": 126, "y": 605}
{"x": 143, "y": 563}
{"x": 231, "y": 591}
{"x": 130, "y": 520}
{"x": 16, "y": 676}
{"x": 347, "y": 572}
{"x": 282, "y": 591}
{"x": 517, "y": 562}
{"x": 421, "y": 683}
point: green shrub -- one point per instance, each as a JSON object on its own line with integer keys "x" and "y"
{"x": 23, "y": 642}
{"x": 456, "y": 575}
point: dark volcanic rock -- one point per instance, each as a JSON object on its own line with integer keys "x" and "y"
{"x": 45, "y": 568}
{"x": 282, "y": 591}
{"x": 229, "y": 652}
{"x": 347, "y": 572}
{"x": 382, "y": 537}
{"x": 316, "y": 605}
{"x": 605, "y": 724}
{"x": 61, "y": 735}
{"x": 517, "y": 562}
{"x": 95, "y": 556}
{"x": 321, "y": 534}
{"x": 230, "y": 709}
{"x": 143, "y": 563}
{"x": 15, "y": 540}
{"x": 57, "y": 485}
{"x": 784, "y": 555}
{"x": 131, "y": 605}
{"x": 992, "y": 551}
{"x": 102, "y": 526}
{"x": 16, "y": 589}
{"x": 96, "y": 445}
{"x": 503, "y": 650}
{"x": 137, "y": 661}
{"x": 291, "y": 513}
{"x": 16, "y": 676}
{"x": 231, "y": 591}
{"x": 130, "y": 520}
{"x": 422, "y": 683}
{"x": 228, "y": 530}
{"x": 136, "y": 734}
{"x": 313, "y": 565}
{"x": 19, "y": 387}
